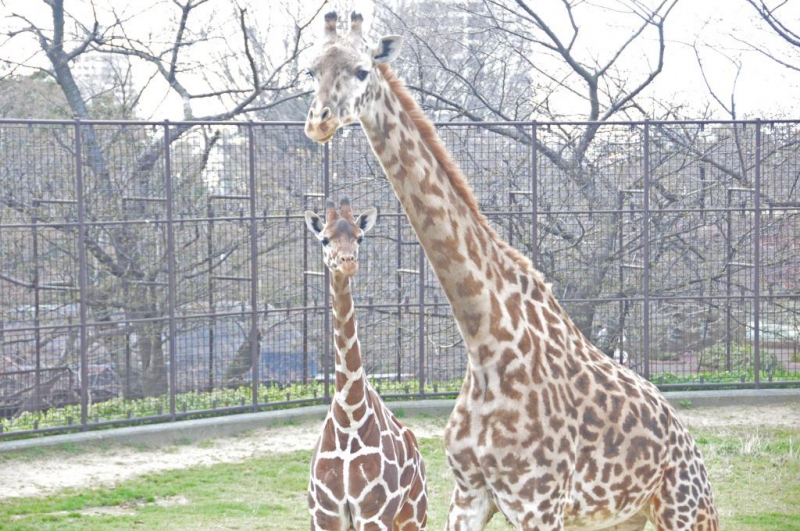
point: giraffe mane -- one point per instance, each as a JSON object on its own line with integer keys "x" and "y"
{"x": 431, "y": 138}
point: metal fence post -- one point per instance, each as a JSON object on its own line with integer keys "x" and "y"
{"x": 646, "y": 250}
{"x": 399, "y": 287}
{"x": 728, "y": 276}
{"x": 172, "y": 286}
{"x": 757, "y": 262}
{"x": 305, "y": 297}
{"x": 326, "y": 281}
{"x": 421, "y": 322}
{"x": 37, "y": 333}
{"x": 255, "y": 343}
{"x": 211, "y": 301}
{"x": 82, "y": 275}
{"x": 534, "y": 194}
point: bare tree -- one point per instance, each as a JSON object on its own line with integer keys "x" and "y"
{"x": 500, "y": 60}
{"x": 780, "y": 23}
{"x": 126, "y": 254}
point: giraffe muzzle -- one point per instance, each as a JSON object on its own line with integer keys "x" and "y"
{"x": 348, "y": 265}
{"x": 322, "y": 128}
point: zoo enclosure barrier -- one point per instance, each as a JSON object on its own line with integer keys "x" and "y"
{"x": 154, "y": 271}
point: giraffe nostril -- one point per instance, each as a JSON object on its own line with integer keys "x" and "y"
{"x": 326, "y": 112}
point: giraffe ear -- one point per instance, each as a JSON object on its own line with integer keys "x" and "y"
{"x": 313, "y": 222}
{"x": 366, "y": 220}
{"x": 388, "y": 49}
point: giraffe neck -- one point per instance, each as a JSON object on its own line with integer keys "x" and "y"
{"x": 350, "y": 378}
{"x": 474, "y": 266}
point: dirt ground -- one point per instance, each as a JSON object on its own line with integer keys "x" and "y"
{"x": 109, "y": 465}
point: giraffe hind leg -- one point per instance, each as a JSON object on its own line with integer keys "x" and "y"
{"x": 469, "y": 510}
{"x": 667, "y": 514}
{"x": 413, "y": 515}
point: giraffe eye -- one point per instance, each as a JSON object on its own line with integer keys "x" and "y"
{"x": 310, "y": 74}
{"x": 362, "y": 74}
{"x": 359, "y": 239}
{"x": 325, "y": 241}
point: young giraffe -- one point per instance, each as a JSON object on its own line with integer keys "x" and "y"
{"x": 547, "y": 429}
{"x": 367, "y": 471}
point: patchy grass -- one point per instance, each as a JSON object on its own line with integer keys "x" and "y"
{"x": 756, "y": 474}
{"x": 264, "y": 493}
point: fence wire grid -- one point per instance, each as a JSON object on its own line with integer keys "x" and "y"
{"x": 158, "y": 270}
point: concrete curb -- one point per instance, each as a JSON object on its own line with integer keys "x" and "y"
{"x": 191, "y": 431}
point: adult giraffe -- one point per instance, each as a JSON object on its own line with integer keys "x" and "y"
{"x": 367, "y": 471}
{"x": 547, "y": 429}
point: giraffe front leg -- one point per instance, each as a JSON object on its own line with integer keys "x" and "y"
{"x": 324, "y": 521}
{"x": 470, "y": 510}
{"x": 326, "y": 515}
{"x": 413, "y": 514}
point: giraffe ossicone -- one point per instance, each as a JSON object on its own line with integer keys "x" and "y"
{"x": 547, "y": 429}
{"x": 367, "y": 470}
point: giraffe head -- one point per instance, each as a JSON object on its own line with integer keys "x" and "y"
{"x": 345, "y": 76}
{"x": 341, "y": 234}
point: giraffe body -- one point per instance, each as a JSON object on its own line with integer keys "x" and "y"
{"x": 547, "y": 430}
{"x": 367, "y": 471}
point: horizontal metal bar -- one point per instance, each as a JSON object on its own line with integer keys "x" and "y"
{"x": 77, "y": 427}
{"x": 142, "y": 198}
{"x": 176, "y": 124}
{"x": 233, "y": 279}
{"x": 158, "y": 221}
{"x": 216, "y": 315}
{"x": 406, "y": 306}
{"x": 284, "y": 217}
{"x": 34, "y": 371}
{"x": 728, "y": 385}
{"x": 55, "y": 201}
{"x": 51, "y": 287}
{"x": 232, "y": 197}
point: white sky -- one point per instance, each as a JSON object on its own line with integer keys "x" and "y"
{"x": 764, "y": 88}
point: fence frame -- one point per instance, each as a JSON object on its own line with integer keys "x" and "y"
{"x": 531, "y": 129}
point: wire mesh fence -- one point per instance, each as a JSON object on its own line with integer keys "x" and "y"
{"x": 155, "y": 271}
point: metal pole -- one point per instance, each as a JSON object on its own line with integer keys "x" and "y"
{"x": 326, "y": 337}
{"x": 646, "y": 250}
{"x": 757, "y": 263}
{"x": 510, "y": 217}
{"x": 534, "y": 195}
{"x": 173, "y": 369}
{"x": 37, "y": 333}
{"x": 82, "y": 276}
{"x": 305, "y": 298}
{"x": 399, "y": 285}
{"x": 728, "y": 279}
{"x": 211, "y": 303}
{"x": 620, "y": 271}
{"x": 255, "y": 344}
{"x": 127, "y": 392}
{"x": 421, "y": 322}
